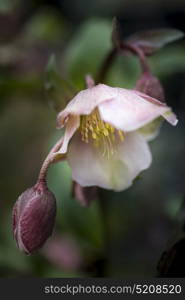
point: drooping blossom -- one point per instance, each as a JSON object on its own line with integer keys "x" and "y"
{"x": 103, "y": 141}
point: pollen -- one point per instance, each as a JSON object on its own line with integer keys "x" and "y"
{"x": 103, "y": 134}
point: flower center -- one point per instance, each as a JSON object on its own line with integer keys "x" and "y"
{"x": 102, "y": 133}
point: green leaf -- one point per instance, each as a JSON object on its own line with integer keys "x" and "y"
{"x": 87, "y": 50}
{"x": 151, "y": 40}
{"x": 168, "y": 62}
{"x": 58, "y": 90}
{"x": 45, "y": 25}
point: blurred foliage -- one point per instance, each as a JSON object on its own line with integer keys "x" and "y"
{"x": 87, "y": 49}
{"x": 139, "y": 220}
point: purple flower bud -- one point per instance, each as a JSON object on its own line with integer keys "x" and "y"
{"x": 33, "y": 217}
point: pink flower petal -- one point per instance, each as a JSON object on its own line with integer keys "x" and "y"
{"x": 86, "y": 101}
{"x": 71, "y": 127}
{"x": 169, "y": 115}
{"x": 131, "y": 110}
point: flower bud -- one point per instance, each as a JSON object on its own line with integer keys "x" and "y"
{"x": 33, "y": 217}
{"x": 151, "y": 86}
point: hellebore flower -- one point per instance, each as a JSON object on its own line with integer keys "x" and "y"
{"x": 103, "y": 141}
{"x": 33, "y": 217}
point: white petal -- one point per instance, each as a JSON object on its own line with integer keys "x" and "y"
{"x": 135, "y": 153}
{"x": 71, "y": 127}
{"x": 90, "y": 167}
{"x": 171, "y": 117}
{"x": 131, "y": 110}
{"x": 151, "y": 130}
{"x": 86, "y": 101}
{"x": 168, "y": 115}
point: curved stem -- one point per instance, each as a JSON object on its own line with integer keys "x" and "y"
{"x": 106, "y": 65}
{"x": 137, "y": 51}
{"x": 49, "y": 159}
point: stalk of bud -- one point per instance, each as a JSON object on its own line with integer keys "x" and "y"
{"x": 35, "y": 210}
{"x": 33, "y": 217}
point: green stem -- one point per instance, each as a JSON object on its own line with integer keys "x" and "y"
{"x": 107, "y": 63}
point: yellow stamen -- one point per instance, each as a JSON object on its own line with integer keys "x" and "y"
{"x": 102, "y": 133}
{"x": 121, "y": 135}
